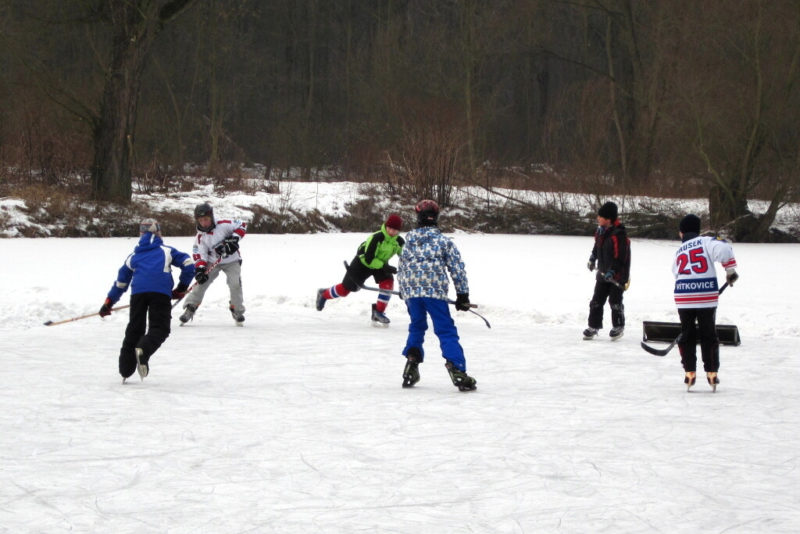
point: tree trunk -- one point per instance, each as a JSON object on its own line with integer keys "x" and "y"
{"x": 134, "y": 27}
{"x": 114, "y": 129}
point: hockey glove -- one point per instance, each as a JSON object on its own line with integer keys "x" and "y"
{"x": 201, "y": 275}
{"x": 609, "y": 275}
{"x": 462, "y": 302}
{"x": 180, "y": 291}
{"x": 731, "y": 276}
{"x": 229, "y": 246}
{"x": 105, "y": 309}
{"x": 591, "y": 263}
{"x": 389, "y": 269}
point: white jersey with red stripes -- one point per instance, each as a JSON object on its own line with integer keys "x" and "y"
{"x": 695, "y": 275}
{"x": 203, "y": 252}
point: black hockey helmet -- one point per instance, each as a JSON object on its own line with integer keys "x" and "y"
{"x": 427, "y": 212}
{"x": 204, "y": 210}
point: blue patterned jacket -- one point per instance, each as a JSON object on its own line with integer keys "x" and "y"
{"x": 426, "y": 259}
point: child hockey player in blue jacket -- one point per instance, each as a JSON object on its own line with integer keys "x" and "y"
{"x": 148, "y": 273}
{"x": 426, "y": 259}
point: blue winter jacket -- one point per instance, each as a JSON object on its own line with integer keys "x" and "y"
{"x": 425, "y": 261}
{"x": 149, "y": 268}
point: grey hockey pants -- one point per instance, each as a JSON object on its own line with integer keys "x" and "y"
{"x": 233, "y": 272}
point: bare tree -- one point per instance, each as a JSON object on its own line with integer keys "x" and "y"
{"x": 740, "y": 82}
{"x": 135, "y": 25}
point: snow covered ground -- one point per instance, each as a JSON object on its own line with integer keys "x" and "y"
{"x": 334, "y": 198}
{"x": 297, "y": 423}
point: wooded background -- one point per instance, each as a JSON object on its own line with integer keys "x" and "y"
{"x": 666, "y": 97}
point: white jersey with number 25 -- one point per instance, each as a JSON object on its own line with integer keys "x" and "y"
{"x": 695, "y": 274}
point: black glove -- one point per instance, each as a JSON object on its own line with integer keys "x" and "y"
{"x": 180, "y": 291}
{"x": 591, "y": 263}
{"x": 462, "y": 302}
{"x": 389, "y": 269}
{"x": 201, "y": 275}
{"x": 228, "y": 246}
{"x": 105, "y": 309}
{"x": 731, "y": 276}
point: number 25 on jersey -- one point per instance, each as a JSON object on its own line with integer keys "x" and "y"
{"x": 693, "y": 261}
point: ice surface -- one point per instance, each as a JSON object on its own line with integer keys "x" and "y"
{"x": 297, "y": 422}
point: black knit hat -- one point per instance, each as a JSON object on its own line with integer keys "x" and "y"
{"x": 608, "y": 211}
{"x": 690, "y": 223}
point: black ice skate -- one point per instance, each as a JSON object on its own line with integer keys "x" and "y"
{"x": 590, "y": 333}
{"x": 188, "y": 314}
{"x": 411, "y": 371}
{"x": 689, "y": 379}
{"x": 379, "y": 318}
{"x": 142, "y": 368}
{"x": 321, "y": 299}
{"x": 238, "y": 317}
{"x": 460, "y": 379}
{"x": 616, "y": 333}
{"x": 712, "y": 381}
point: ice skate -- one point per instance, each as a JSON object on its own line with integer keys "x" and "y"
{"x": 616, "y": 333}
{"x": 411, "y": 371}
{"x": 590, "y": 333}
{"x": 238, "y": 317}
{"x": 379, "y": 318}
{"x": 188, "y": 314}
{"x": 712, "y": 381}
{"x": 689, "y": 379}
{"x": 142, "y": 368}
{"x": 321, "y": 299}
{"x": 460, "y": 379}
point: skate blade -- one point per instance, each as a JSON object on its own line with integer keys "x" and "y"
{"x": 378, "y": 324}
{"x": 617, "y": 338}
{"x": 140, "y": 368}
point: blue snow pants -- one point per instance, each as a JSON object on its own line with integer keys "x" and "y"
{"x": 443, "y": 326}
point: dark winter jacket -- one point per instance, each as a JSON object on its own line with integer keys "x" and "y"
{"x": 148, "y": 268}
{"x": 612, "y": 249}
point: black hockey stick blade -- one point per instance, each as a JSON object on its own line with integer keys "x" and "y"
{"x": 481, "y": 316}
{"x": 665, "y": 351}
{"x": 392, "y": 292}
{"x": 660, "y": 352}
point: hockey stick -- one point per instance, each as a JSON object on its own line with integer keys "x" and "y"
{"x": 393, "y": 292}
{"x": 195, "y": 283}
{"x": 664, "y": 351}
{"x": 52, "y": 323}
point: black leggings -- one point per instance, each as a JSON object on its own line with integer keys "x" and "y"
{"x": 709, "y": 344}
{"x": 157, "y": 308}
{"x": 606, "y": 291}
{"x": 357, "y": 274}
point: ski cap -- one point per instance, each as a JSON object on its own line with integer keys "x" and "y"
{"x": 394, "y": 221}
{"x": 149, "y": 225}
{"x": 608, "y": 211}
{"x": 690, "y": 223}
